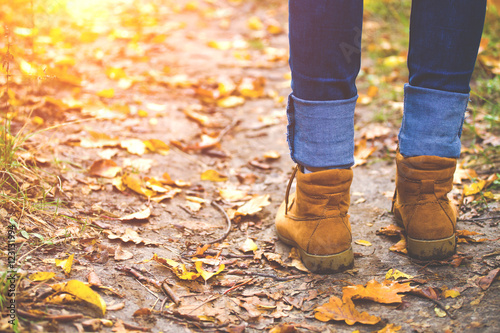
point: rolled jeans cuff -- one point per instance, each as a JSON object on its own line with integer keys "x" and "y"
{"x": 432, "y": 122}
{"x": 321, "y": 133}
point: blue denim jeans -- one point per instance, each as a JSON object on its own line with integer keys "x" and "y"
{"x": 325, "y": 53}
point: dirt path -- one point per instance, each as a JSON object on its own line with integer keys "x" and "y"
{"x": 185, "y": 73}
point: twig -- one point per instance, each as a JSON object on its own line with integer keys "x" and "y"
{"x": 138, "y": 275}
{"x": 170, "y": 293}
{"x": 275, "y": 277}
{"x": 213, "y": 298}
{"x": 193, "y": 320}
{"x": 479, "y": 218}
{"x": 228, "y": 255}
{"x": 238, "y": 285}
{"x": 152, "y": 293}
{"x": 228, "y": 221}
{"x": 69, "y": 317}
{"x": 162, "y": 306}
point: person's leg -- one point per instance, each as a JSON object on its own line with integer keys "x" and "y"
{"x": 325, "y": 38}
{"x": 444, "y": 39}
{"x": 325, "y": 53}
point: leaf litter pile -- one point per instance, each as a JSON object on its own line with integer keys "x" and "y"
{"x": 143, "y": 160}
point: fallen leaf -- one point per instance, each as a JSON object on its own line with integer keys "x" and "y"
{"x": 205, "y": 274}
{"x": 81, "y": 291}
{"x": 213, "y": 175}
{"x": 157, "y": 146}
{"x": 231, "y": 101}
{"x": 485, "y": 281}
{"x": 474, "y": 188}
{"x": 179, "y": 269}
{"x": 142, "y": 215}
{"x": 116, "y": 307}
{"x": 104, "y": 168}
{"x": 252, "y": 87}
{"x": 121, "y": 254}
{"x": 220, "y": 45}
{"x": 283, "y": 328}
{"x": 428, "y": 292}
{"x": 389, "y": 328}
{"x": 337, "y": 309}
{"x": 451, "y": 293}
{"x": 134, "y": 182}
{"x": 142, "y": 312}
{"x": 93, "y": 279}
{"x": 395, "y": 274}
{"x": 465, "y": 236}
{"x": 272, "y": 155}
{"x": 138, "y": 164}
{"x": 65, "y": 264}
{"x": 130, "y": 235}
{"x": 41, "y": 276}
{"x": 386, "y": 292}
{"x": 363, "y": 242}
{"x": 362, "y": 152}
{"x": 255, "y": 23}
{"x": 492, "y": 196}
{"x": 106, "y": 93}
{"x": 99, "y": 140}
{"x": 390, "y": 230}
{"x": 253, "y": 206}
{"x": 440, "y": 313}
{"x": 400, "y": 246}
{"x": 461, "y": 174}
{"x": 249, "y": 245}
{"x": 134, "y": 146}
{"x": 232, "y": 195}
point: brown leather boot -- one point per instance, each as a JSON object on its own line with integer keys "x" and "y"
{"x": 314, "y": 219}
{"x": 422, "y": 207}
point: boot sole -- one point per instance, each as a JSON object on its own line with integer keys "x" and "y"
{"x": 431, "y": 249}
{"x": 323, "y": 264}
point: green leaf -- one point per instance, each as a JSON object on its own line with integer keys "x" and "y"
{"x": 40, "y": 237}
{"x": 25, "y": 234}
{"x": 14, "y": 223}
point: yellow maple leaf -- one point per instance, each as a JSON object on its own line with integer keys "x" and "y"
{"x": 395, "y": 274}
{"x": 41, "y": 276}
{"x": 474, "y": 188}
{"x": 65, "y": 264}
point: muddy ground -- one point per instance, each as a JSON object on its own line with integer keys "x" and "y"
{"x": 254, "y": 128}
